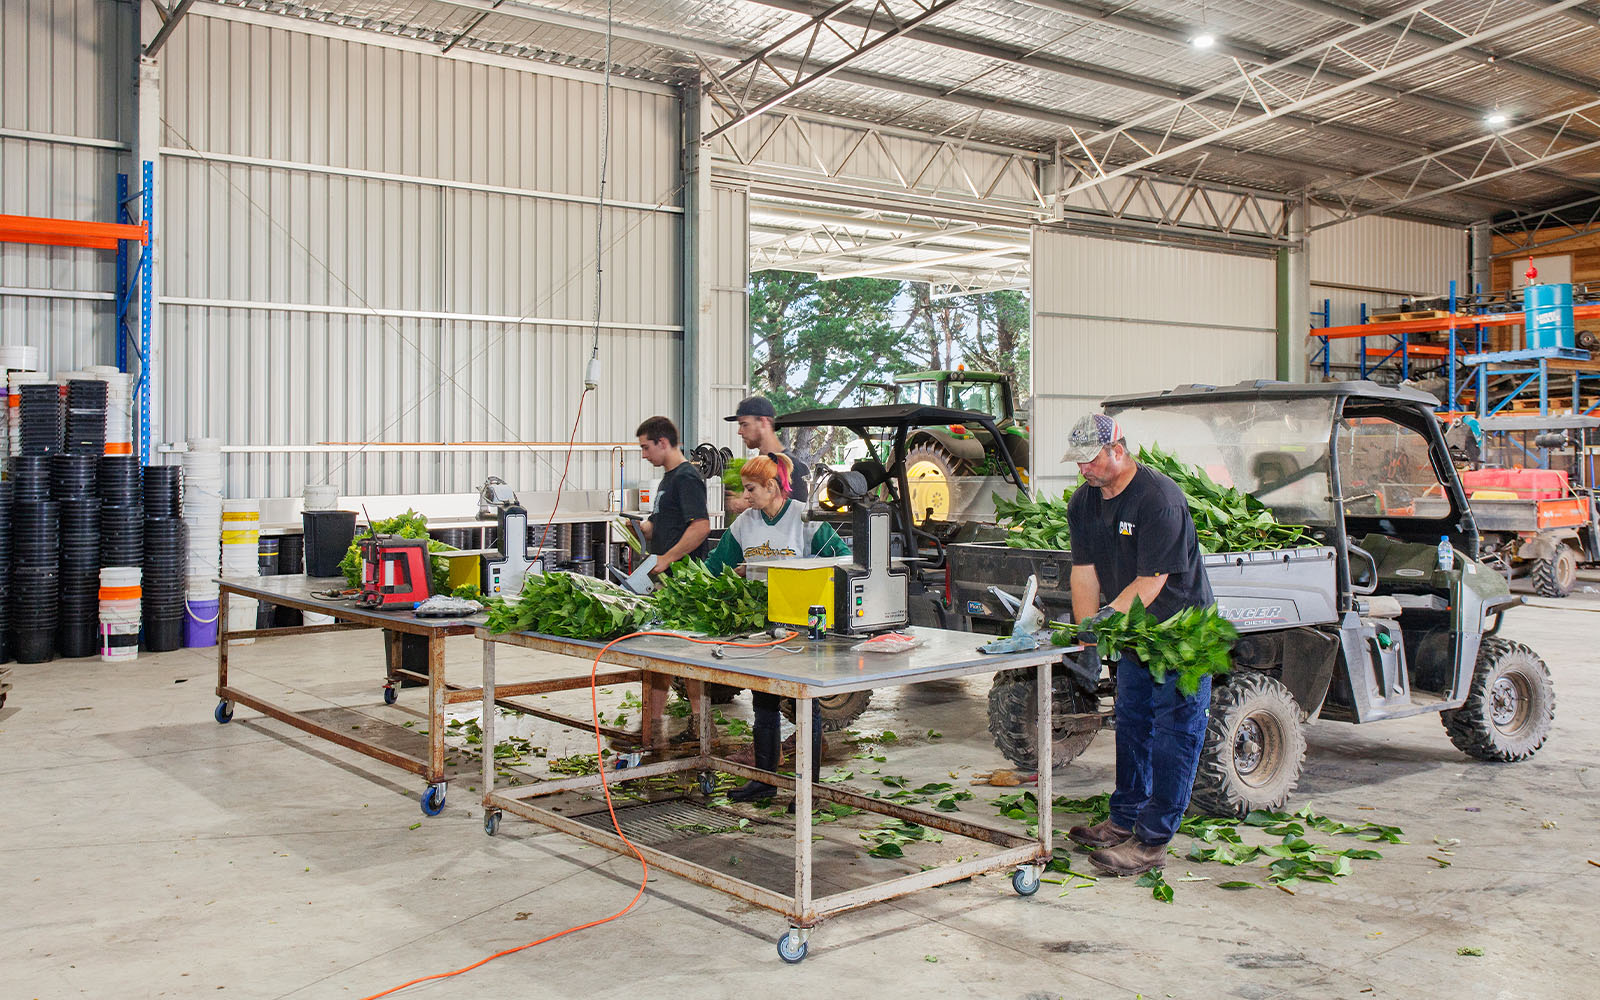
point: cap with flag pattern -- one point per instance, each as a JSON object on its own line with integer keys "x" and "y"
{"x": 1089, "y": 435}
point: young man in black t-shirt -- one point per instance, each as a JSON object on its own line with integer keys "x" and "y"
{"x": 680, "y": 523}
{"x": 1133, "y": 537}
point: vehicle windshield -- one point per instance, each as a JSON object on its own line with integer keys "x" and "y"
{"x": 1387, "y": 470}
{"x": 1274, "y": 449}
{"x": 977, "y": 396}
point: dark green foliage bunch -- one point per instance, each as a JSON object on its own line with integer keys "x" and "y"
{"x": 1193, "y": 643}
{"x": 1225, "y": 519}
{"x": 1035, "y": 524}
{"x": 730, "y": 475}
{"x": 407, "y": 525}
{"x": 689, "y": 597}
{"x": 572, "y": 606}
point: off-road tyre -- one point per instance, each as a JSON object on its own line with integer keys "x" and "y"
{"x": 838, "y": 710}
{"x": 1511, "y": 704}
{"x": 920, "y": 500}
{"x": 1014, "y": 709}
{"x": 1254, "y": 746}
{"x": 1556, "y": 576}
{"x": 720, "y": 694}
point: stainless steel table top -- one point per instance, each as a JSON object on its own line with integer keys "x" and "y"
{"x": 828, "y": 663}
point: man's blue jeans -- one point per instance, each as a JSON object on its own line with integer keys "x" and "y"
{"x": 1159, "y": 734}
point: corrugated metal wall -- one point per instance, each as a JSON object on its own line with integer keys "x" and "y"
{"x": 1112, "y": 317}
{"x": 66, "y": 76}
{"x": 365, "y": 242}
{"x": 726, "y": 334}
{"x": 1377, "y": 261}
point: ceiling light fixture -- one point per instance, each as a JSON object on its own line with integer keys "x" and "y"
{"x": 1204, "y": 40}
{"x": 1497, "y": 118}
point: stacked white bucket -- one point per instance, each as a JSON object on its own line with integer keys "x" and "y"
{"x": 320, "y": 496}
{"x": 202, "y": 513}
{"x": 119, "y": 409}
{"x": 241, "y": 557}
{"x": 120, "y": 599}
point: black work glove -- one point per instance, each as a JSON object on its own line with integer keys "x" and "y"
{"x": 1085, "y": 664}
{"x": 1086, "y": 627}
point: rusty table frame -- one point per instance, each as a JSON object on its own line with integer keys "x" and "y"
{"x": 295, "y": 592}
{"x": 1027, "y": 855}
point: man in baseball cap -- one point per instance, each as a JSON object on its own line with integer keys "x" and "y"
{"x": 755, "y": 415}
{"x": 1134, "y": 540}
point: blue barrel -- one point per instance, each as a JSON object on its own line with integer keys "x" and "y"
{"x": 1548, "y": 315}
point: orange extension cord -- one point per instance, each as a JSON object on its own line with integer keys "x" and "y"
{"x": 644, "y": 875}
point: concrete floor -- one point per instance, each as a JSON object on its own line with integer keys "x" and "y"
{"x": 150, "y": 852}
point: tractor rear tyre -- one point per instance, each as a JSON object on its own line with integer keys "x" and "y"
{"x": 838, "y": 710}
{"x": 929, "y": 470}
{"x": 1510, "y": 705}
{"x": 1254, "y": 747}
{"x": 1014, "y": 709}
{"x": 1556, "y": 576}
{"x": 720, "y": 694}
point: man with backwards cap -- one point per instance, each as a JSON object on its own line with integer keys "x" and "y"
{"x": 755, "y": 416}
{"x": 1132, "y": 537}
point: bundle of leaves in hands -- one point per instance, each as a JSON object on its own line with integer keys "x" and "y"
{"x": 407, "y": 525}
{"x": 689, "y": 597}
{"x": 1193, "y": 643}
{"x": 572, "y": 606}
{"x": 1035, "y": 524}
{"x": 1225, "y": 519}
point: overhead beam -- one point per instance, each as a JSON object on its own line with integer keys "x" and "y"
{"x": 1261, "y": 56}
{"x": 523, "y": 10}
{"x": 926, "y": 264}
{"x": 1255, "y": 90}
{"x": 1522, "y": 67}
{"x": 882, "y": 26}
{"x": 171, "y": 20}
{"x": 1098, "y": 75}
{"x": 1403, "y": 184}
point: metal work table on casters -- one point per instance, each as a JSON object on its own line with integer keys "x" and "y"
{"x": 298, "y": 592}
{"x": 821, "y": 668}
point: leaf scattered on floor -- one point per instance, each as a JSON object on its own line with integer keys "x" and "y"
{"x": 1157, "y": 884}
{"x": 1474, "y": 952}
{"x": 413, "y": 826}
{"x": 930, "y": 958}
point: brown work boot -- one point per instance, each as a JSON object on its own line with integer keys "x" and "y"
{"x": 1129, "y": 857}
{"x": 1103, "y": 834}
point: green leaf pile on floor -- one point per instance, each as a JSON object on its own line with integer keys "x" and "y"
{"x": 1193, "y": 643}
{"x": 1225, "y": 518}
{"x": 689, "y": 597}
{"x": 407, "y": 525}
{"x": 572, "y": 606}
{"x": 1289, "y": 862}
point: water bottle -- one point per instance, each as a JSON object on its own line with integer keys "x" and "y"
{"x": 1447, "y": 554}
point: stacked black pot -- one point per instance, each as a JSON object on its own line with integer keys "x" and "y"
{"x": 5, "y": 570}
{"x": 86, "y": 417}
{"x": 72, "y": 483}
{"x": 166, "y": 553}
{"x": 41, "y": 426}
{"x": 121, "y": 511}
{"x": 35, "y": 573}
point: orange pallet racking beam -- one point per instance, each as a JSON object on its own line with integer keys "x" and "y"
{"x": 69, "y": 232}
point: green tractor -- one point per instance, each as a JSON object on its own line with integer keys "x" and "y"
{"x": 937, "y": 454}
